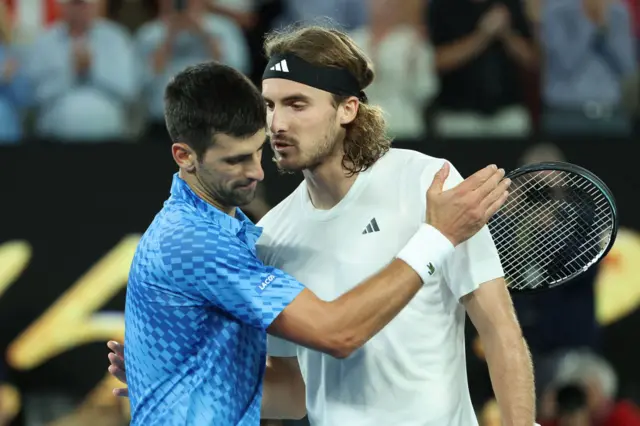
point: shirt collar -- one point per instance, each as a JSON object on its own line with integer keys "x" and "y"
{"x": 240, "y": 225}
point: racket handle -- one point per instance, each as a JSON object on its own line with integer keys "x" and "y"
{"x": 426, "y": 251}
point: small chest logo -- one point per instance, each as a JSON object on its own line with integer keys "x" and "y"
{"x": 264, "y": 284}
{"x": 371, "y": 227}
{"x": 431, "y": 268}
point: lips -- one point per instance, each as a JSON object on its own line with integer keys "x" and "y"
{"x": 281, "y": 146}
{"x": 281, "y": 143}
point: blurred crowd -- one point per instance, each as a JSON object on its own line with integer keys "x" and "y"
{"x": 94, "y": 70}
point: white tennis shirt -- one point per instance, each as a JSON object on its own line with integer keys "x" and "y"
{"x": 412, "y": 373}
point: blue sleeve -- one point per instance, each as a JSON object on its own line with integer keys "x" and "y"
{"x": 217, "y": 266}
{"x": 114, "y": 66}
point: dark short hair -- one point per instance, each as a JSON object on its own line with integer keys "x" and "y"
{"x": 209, "y": 99}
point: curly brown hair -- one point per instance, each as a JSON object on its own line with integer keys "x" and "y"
{"x": 365, "y": 140}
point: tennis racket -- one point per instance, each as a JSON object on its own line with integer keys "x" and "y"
{"x": 558, "y": 221}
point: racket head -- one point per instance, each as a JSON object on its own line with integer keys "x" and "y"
{"x": 537, "y": 178}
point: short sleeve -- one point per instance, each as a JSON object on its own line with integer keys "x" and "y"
{"x": 473, "y": 262}
{"x": 215, "y": 265}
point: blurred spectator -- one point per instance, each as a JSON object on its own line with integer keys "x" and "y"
{"x": 571, "y": 406}
{"x": 633, "y": 6}
{"x": 585, "y": 385}
{"x": 184, "y": 34}
{"x": 405, "y": 68}
{"x": 481, "y": 45}
{"x": 241, "y": 11}
{"x": 589, "y": 56}
{"x": 14, "y": 87}
{"x": 31, "y": 17}
{"x": 347, "y": 14}
{"x": 83, "y": 69}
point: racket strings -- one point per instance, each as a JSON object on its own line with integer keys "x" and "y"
{"x": 553, "y": 225}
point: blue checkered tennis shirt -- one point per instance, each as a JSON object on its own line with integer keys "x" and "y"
{"x": 198, "y": 304}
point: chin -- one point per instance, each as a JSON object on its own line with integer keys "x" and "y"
{"x": 241, "y": 198}
{"x": 289, "y": 165}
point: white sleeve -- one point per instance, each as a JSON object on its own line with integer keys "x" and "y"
{"x": 280, "y": 348}
{"x": 475, "y": 261}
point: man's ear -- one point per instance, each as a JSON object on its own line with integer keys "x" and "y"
{"x": 184, "y": 156}
{"x": 348, "y": 110}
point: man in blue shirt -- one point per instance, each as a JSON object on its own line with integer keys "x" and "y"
{"x": 199, "y": 302}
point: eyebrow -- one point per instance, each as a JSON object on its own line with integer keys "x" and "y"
{"x": 296, "y": 97}
{"x": 267, "y": 141}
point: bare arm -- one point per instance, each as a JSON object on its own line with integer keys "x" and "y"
{"x": 284, "y": 392}
{"x": 342, "y": 326}
{"x": 491, "y": 311}
{"x": 458, "y": 53}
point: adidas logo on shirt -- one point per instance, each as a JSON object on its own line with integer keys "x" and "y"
{"x": 280, "y": 66}
{"x": 371, "y": 227}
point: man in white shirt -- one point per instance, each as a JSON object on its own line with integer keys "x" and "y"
{"x": 359, "y": 203}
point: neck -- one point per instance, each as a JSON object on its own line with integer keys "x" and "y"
{"x": 199, "y": 189}
{"x": 328, "y": 183}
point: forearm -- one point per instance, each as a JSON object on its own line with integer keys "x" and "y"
{"x": 341, "y": 326}
{"x": 459, "y": 52}
{"x": 358, "y": 315}
{"x": 521, "y": 50}
{"x": 511, "y": 374}
{"x": 283, "y": 395}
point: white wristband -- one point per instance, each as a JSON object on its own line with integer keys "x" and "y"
{"x": 426, "y": 251}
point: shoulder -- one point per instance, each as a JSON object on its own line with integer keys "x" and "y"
{"x": 181, "y": 233}
{"x": 408, "y": 164}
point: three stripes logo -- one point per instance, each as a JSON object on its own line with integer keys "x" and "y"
{"x": 280, "y": 66}
{"x": 371, "y": 227}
